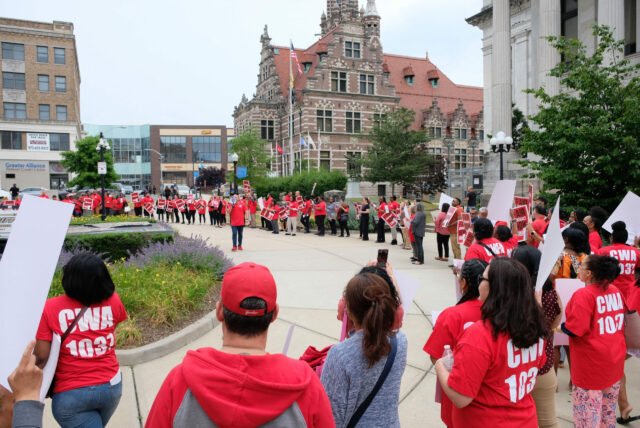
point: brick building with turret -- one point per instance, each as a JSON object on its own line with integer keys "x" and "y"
{"x": 346, "y": 85}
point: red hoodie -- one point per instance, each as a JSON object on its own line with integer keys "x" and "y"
{"x": 240, "y": 391}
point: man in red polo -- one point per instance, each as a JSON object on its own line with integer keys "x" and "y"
{"x": 538, "y": 226}
{"x": 237, "y": 211}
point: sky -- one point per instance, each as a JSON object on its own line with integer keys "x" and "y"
{"x": 189, "y": 62}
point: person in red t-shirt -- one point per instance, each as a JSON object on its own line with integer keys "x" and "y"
{"x": 108, "y": 203}
{"x": 595, "y": 241}
{"x": 147, "y": 200}
{"x": 306, "y": 214}
{"x": 87, "y": 356}
{"x": 394, "y": 208}
{"x": 253, "y": 207}
{"x": 292, "y": 221}
{"x": 237, "y": 218}
{"x": 595, "y": 326}
{"x": 275, "y": 208}
{"x": 202, "y": 211}
{"x": 485, "y": 247}
{"x": 453, "y": 321}
{"x": 320, "y": 213}
{"x": 43, "y": 195}
{"x": 629, "y": 258}
{"x": 496, "y": 360}
{"x": 383, "y": 208}
{"x": 452, "y": 228}
{"x": 539, "y": 225}
{"x": 97, "y": 202}
{"x": 508, "y": 237}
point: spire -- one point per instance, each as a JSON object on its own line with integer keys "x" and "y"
{"x": 265, "y": 39}
{"x": 371, "y": 8}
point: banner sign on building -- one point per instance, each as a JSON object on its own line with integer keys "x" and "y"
{"x": 37, "y": 142}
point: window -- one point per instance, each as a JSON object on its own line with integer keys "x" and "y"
{"x": 456, "y": 133}
{"x": 11, "y": 140}
{"x": 12, "y": 80}
{"x": 352, "y": 49}
{"x": 409, "y": 80}
{"x": 630, "y": 27}
{"x": 173, "y": 149}
{"x": 382, "y": 189}
{"x": 438, "y": 132}
{"x": 339, "y": 81}
{"x": 378, "y": 118}
{"x": 15, "y": 111}
{"x": 265, "y": 72}
{"x": 352, "y": 162}
{"x": 325, "y": 160}
{"x": 131, "y": 150}
{"x": 61, "y": 113}
{"x": 266, "y": 130}
{"x": 61, "y": 84}
{"x": 43, "y": 54}
{"x": 480, "y": 157}
{"x": 44, "y": 111}
{"x": 367, "y": 84}
{"x": 481, "y": 134}
{"x": 307, "y": 67}
{"x": 434, "y": 150}
{"x": 353, "y": 122}
{"x": 460, "y": 158}
{"x": 59, "y": 55}
{"x": 434, "y": 83}
{"x": 43, "y": 83}
{"x": 569, "y": 19}
{"x": 207, "y": 149}
{"x": 463, "y": 134}
{"x": 324, "y": 120}
{"x": 59, "y": 142}
{"x": 13, "y": 51}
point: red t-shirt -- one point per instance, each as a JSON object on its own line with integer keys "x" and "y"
{"x": 97, "y": 199}
{"x": 449, "y": 327}
{"x": 595, "y": 241}
{"x": 43, "y": 196}
{"x": 510, "y": 245}
{"x": 477, "y": 251}
{"x": 498, "y": 376}
{"x": 108, "y": 201}
{"x": 223, "y": 207}
{"x": 539, "y": 225}
{"x": 87, "y": 357}
{"x": 394, "y": 206}
{"x": 629, "y": 258}
{"x": 321, "y": 208}
{"x": 252, "y": 206}
{"x": 382, "y": 209}
{"x": 596, "y": 316}
{"x": 307, "y": 207}
{"x": 293, "y": 209}
{"x": 237, "y": 213}
{"x": 203, "y": 208}
{"x": 634, "y": 300}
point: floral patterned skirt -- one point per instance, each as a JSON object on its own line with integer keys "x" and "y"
{"x": 595, "y": 408}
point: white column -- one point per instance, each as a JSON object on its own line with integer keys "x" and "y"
{"x": 548, "y": 57}
{"x": 611, "y": 13}
{"x": 501, "y": 68}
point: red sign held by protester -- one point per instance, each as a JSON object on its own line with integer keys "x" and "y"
{"x": 521, "y": 215}
{"x": 162, "y": 203}
{"x": 148, "y": 207}
{"x": 87, "y": 203}
{"x": 450, "y": 214}
{"x": 390, "y": 219}
{"x": 135, "y": 197}
{"x": 180, "y": 205}
{"x": 462, "y": 230}
{"x": 466, "y": 219}
{"x": 469, "y": 238}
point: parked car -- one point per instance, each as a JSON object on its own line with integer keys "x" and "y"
{"x": 128, "y": 190}
{"x": 183, "y": 190}
{"x": 119, "y": 187}
{"x": 33, "y": 191}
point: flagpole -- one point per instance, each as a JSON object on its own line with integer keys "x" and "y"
{"x": 291, "y": 110}
{"x": 277, "y": 154}
{"x": 319, "y": 143}
{"x": 308, "y": 151}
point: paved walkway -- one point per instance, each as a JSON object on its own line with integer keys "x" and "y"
{"x": 311, "y": 273}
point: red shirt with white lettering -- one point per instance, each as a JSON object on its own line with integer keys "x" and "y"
{"x": 596, "y": 316}
{"x": 629, "y": 258}
{"x": 510, "y": 245}
{"x": 498, "y": 376}
{"x": 237, "y": 213}
{"x": 595, "y": 241}
{"x": 87, "y": 357}
{"x": 477, "y": 251}
{"x": 382, "y": 209}
{"x": 449, "y": 327}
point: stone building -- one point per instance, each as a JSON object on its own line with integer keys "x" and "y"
{"x": 346, "y": 85}
{"x": 40, "y": 112}
{"x": 516, "y": 57}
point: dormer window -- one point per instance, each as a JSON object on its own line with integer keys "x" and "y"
{"x": 409, "y": 75}
{"x": 434, "y": 83}
{"x": 433, "y": 77}
{"x": 409, "y": 80}
{"x": 307, "y": 67}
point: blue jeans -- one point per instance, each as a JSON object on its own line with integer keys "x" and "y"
{"x": 236, "y": 233}
{"x": 87, "y": 407}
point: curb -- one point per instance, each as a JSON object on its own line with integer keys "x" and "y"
{"x": 169, "y": 344}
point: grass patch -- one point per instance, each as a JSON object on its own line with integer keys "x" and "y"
{"x": 96, "y": 219}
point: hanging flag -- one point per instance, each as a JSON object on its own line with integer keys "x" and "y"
{"x": 310, "y": 140}
{"x": 279, "y": 149}
{"x": 302, "y": 143}
{"x": 319, "y": 140}
{"x": 295, "y": 57}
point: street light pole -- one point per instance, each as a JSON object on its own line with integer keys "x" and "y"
{"x": 502, "y": 144}
{"x": 448, "y": 143}
{"x": 102, "y": 145}
{"x": 234, "y": 158}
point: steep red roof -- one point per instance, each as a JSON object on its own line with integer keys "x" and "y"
{"x": 419, "y": 97}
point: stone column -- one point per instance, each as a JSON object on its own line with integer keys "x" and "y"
{"x": 611, "y": 13}
{"x": 548, "y": 57}
{"x": 501, "y": 69}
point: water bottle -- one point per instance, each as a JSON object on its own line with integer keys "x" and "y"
{"x": 447, "y": 357}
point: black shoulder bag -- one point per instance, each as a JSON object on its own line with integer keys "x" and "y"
{"x": 488, "y": 248}
{"x": 383, "y": 376}
{"x": 62, "y": 339}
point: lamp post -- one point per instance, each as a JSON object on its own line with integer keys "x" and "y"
{"x": 160, "y": 157}
{"x": 300, "y": 116}
{"x": 234, "y": 159}
{"x": 502, "y": 144}
{"x": 474, "y": 144}
{"x": 449, "y": 142}
{"x": 102, "y": 146}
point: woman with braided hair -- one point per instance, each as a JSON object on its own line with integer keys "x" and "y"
{"x": 362, "y": 374}
{"x": 453, "y": 321}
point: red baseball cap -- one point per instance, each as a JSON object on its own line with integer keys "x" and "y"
{"x": 248, "y": 280}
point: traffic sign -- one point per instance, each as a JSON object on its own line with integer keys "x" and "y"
{"x": 102, "y": 168}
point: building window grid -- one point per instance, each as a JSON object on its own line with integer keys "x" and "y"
{"x": 352, "y": 49}
{"x": 44, "y": 111}
{"x": 207, "y": 148}
{"x": 13, "y": 51}
{"x": 173, "y": 149}
{"x": 131, "y": 150}
{"x": 569, "y": 18}
{"x": 378, "y": 118}
{"x": 229, "y": 149}
{"x": 434, "y": 150}
{"x": 11, "y": 140}
{"x": 460, "y": 158}
{"x": 58, "y": 142}
{"x": 267, "y": 130}
{"x": 15, "y": 110}
{"x": 13, "y": 80}
{"x": 367, "y": 84}
{"x": 61, "y": 84}
{"x": 325, "y": 160}
{"x": 42, "y": 54}
{"x": 61, "y": 113}
{"x": 59, "y": 56}
{"x": 353, "y": 122}
{"x": 324, "y": 120}
{"x": 43, "y": 82}
{"x": 338, "y": 81}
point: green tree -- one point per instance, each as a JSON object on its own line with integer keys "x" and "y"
{"x": 395, "y": 155}
{"x": 586, "y": 137}
{"x": 83, "y": 162}
{"x": 251, "y": 153}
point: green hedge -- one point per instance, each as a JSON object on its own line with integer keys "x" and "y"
{"x": 326, "y": 180}
{"x": 114, "y": 246}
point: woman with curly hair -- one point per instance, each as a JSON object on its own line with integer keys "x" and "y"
{"x": 497, "y": 359}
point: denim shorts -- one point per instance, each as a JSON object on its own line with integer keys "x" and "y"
{"x": 87, "y": 407}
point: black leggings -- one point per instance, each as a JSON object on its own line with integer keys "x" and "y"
{"x": 380, "y": 230}
{"x": 202, "y": 218}
{"x": 364, "y": 226}
{"x": 320, "y": 224}
{"x": 443, "y": 242}
{"x": 344, "y": 225}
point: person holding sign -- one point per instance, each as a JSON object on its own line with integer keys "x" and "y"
{"x": 595, "y": 326}
{"x": 343, "y": 218}
{"x": 88, "y": 381}
{"x": 497, "y": 359}
{"x": 486, "y": 247}
{"x": 382, "y": 210}
{"x": 453, "y": 321}
{"x": 320, "y": 213}
{"x": 452, "y": 227}
{"x": 442, "y": 234}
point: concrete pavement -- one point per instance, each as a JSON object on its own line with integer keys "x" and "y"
{"x": 311, "y": 273}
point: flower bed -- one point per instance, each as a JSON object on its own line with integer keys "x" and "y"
{"x": 78, "y": 221}
{"x": 163, "y": 287}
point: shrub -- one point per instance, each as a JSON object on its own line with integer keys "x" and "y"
{"x": 96, "y": 219}
{"x": 114, "y": 246}
{"x": 326, "y": 180}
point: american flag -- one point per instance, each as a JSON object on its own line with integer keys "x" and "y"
{"x": 295, "y": 57}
